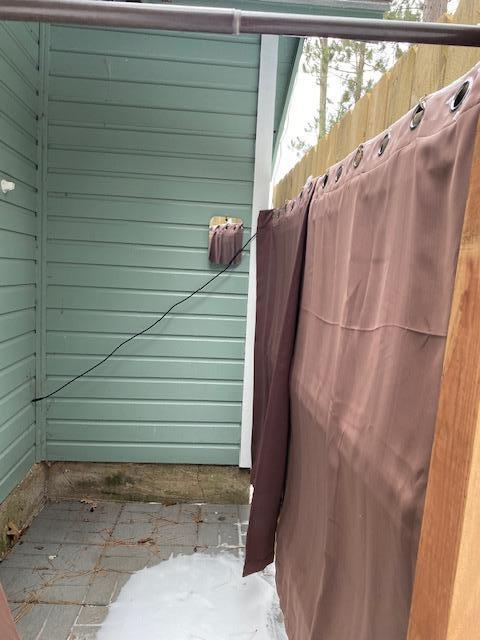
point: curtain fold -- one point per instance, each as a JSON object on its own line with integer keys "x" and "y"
{"x": 381, "y": 248}
{"x": 281, "y": 236}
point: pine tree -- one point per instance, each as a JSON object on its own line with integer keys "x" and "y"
{"x": 318, "y": 53}
{"x": 433, "y": 9}
{"x": 348, "y": 62}
{"x": 356, "y": 65}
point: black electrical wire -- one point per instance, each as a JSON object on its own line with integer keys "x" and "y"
{"x": 136, "y": 335}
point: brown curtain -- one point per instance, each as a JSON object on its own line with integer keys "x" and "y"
{"x": 281, "y": 236}
{"x": 381, "y": 252}
{"x": 237, "y": 243}
{"x": 224, "y": 244}
{"x": 7, "y": 626}
{"x": 212, "y": 244}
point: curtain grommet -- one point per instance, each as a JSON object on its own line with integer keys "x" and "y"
{"x": 460, "y": 95}
{"x": 417, "y": 115}
{"x": 324, "y": 181}
{"x": 384, "y": 144}
{"x": 338, "y": 174}
{"x": 357, "y": 158}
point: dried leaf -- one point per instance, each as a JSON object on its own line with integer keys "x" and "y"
{"x": 91, "y": 503}
{"x": 13, "y": 532}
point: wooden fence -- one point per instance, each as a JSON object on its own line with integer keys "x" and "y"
{"x": 420, "y": 71}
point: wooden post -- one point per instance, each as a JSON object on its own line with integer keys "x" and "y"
{"x": 446, "y": 595}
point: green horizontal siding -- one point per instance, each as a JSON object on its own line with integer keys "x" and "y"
{"x": 114, "y": 208}
{"x": 155, "y": 72}
{"x": 137, "y": 117}
{"x": 174, "y": 324}
{"x": 158, "y": 411}
{"x": 227, "y": 192}
{"x": 150, "y": 135}
{"x": 151, "y": 45}
{"x": 19, "y": 82}
{"x": 153, "y": 452}
{"x": 136, "y": 164}
{"x": 162, "y": 346}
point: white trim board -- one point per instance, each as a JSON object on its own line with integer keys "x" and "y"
{"x": 267, "y": 86}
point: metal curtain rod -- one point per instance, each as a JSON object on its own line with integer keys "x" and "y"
{"x": 233, "y": 21}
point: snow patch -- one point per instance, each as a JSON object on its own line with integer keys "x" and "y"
{"x": 196, "y": 597}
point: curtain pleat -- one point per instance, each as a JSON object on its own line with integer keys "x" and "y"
{"x": 281, "y": 237}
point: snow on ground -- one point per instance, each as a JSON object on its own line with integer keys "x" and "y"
{"x": 196, "y": 597}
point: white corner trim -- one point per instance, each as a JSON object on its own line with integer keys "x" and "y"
{"x": 267, "y": 86}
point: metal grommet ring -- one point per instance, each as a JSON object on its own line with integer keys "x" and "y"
{"x": 457, "y": 99}
{"x": 384, "y": 144}
{"x": 324, "y": 181}
{"x": 418, "y": 114}
{"x": 357, "y": 158}
{"x": 339, "y": 173}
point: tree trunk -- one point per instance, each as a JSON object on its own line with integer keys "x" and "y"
{"x": 323, "y": 83}
{"x": 433, "y": 9}
{"x": 359, "y": 71}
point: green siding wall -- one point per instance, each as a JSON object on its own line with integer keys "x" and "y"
{"x": 19, "y": 83}
{"x": 150, "y": 135}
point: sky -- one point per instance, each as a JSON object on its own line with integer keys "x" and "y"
{"x": 302, "y": 109}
